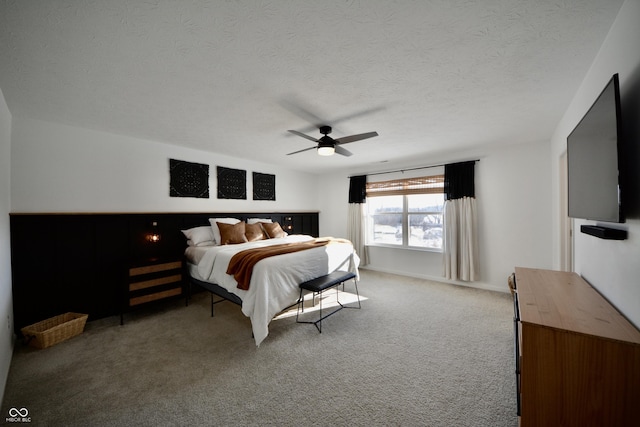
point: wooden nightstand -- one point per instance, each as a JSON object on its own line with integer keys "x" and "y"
{"x": 151, "y": 280}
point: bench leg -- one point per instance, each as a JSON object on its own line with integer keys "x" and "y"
{"x": 318, "y": 323}
{"x": 300, "y": 304}
{"x": 355, "y": 283}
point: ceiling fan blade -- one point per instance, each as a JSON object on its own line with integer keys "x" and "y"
{"x": 310, "y": 138}
{"x": 300, "y": 151}
{"x": 343, "y": 151}
{"x": 297, "y": 107}
{"x": 356, "y": 114}
{"x": 303, "y": 110}
{"x": 354, "y": 138}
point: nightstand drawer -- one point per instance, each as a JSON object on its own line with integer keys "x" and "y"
{"x": 136, "y": 286}
{"x": 155, "y": 296}
{"x": 146, "y": 269}
{"x": 152, "y": 280}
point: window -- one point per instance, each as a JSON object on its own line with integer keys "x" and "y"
{"x": 406, "y": 212}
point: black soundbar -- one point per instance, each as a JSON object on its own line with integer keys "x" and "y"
{"x": 604, "y": 232}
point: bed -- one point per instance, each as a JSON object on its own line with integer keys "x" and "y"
{"x": 274, "y": 282}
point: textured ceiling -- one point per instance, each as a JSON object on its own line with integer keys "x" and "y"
{"x": 432, "y": 77}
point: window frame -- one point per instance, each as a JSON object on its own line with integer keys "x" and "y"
{"x": 432, "y": 184}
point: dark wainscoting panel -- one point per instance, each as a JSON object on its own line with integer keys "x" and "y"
{"x": 78, "y": 262}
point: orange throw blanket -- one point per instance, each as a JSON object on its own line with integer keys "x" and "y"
{"x": 242, "y": 263}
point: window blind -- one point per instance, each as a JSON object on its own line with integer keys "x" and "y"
{"x": 421, "y": 185}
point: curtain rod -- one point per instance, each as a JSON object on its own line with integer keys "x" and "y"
{"x": 413, "y": 169}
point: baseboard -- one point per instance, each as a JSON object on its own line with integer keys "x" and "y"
{"x": 477, "y": 285}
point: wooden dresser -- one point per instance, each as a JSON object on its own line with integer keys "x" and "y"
{"x": 577, "y": 357}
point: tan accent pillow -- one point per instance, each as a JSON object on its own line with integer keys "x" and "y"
{"x": 216, "y": 231}
{"x": 232, "y": 233}
{"x": 254, "y": 232}
{"x": 273, "y": 230}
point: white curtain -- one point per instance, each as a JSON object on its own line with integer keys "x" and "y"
{"x": 460, "y": 240}
{"x": 356, "y": 232}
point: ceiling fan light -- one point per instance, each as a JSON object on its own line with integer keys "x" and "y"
{"x": 326, "y": 150}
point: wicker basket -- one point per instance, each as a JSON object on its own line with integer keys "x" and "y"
{"x": 54, "y": 330}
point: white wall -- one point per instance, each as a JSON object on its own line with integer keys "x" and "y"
{"x": 612, "y": 267}
{"x": 514, "y": 215}
{"x": 47, "y": 167}
{"x": 6, "y": 298}
{"x": 57, "y": 168}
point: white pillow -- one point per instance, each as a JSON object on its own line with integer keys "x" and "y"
{"x": 256, "y": 220}
{"x": 216, "y": 230}
{"x": 199, "y": 236}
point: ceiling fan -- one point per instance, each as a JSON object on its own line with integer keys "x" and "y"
{"x": 327, "y": 145}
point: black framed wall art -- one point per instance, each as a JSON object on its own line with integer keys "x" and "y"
{"x": 188, "y": 179}
{"x": 264, "y": 186}
{"x": 232, "y": 183}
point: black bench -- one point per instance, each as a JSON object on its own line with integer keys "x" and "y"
{"x": 318, "y": 286}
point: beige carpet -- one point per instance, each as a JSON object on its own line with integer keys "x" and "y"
{"x": 418, "y": 353}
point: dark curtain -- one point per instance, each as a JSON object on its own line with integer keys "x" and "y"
{"x": 358, "y": 189}
{"x": 458, "y": 180}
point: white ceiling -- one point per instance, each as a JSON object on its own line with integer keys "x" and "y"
{"x": 432, "y": 77}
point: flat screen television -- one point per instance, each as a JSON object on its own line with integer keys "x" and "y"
{"x": 593, "y": 160}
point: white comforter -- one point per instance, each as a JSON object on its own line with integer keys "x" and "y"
{"x": 275, "y": 280}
